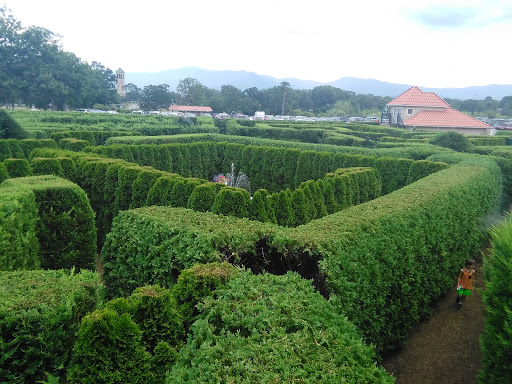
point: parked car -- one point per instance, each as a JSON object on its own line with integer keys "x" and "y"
{"x": 372, "y": 119}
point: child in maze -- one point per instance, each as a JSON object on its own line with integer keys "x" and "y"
{"x": 465, "y": 281}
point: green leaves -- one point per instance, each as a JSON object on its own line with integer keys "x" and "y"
{"x": 266, "y": 329}
{"x": 496, "y": 342}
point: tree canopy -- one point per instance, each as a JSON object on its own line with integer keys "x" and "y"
{"x": 34, "y": 70}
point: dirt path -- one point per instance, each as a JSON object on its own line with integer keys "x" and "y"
{"x": 443, "y": 349}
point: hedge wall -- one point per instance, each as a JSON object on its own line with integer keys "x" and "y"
{"x": 418, "y": 152}
{"x": 19, "y": 247}
{"x": 271, "y": 168}
{"x": 496, "y": 341}
{"x": 40, "y": 313}
{"x": 64, "y": 227}
{"x": 391, "y": 256}
{"x": 17, "y": 167}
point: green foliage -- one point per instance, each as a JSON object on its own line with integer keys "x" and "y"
{"x": 155, "y": 312}
{"x": 203, "y": 196}
{"x": 109, "y": 349}
{"x": 46, "y": 166}
{"x": 17, "y": 167}
{"x": 196, "y": 283}
{"x": 299, "y": 208}
{"x": 145, "y": 248}
{"x": 72, "y": 144}
{"x": 65, "y": 227}
{"x": 283, "y": 208}
{"x": 19, "y": 246}
{"x": 40, "y": 313}
{"x": 259, "y": 206}
{"x": 9, "y": 128}
{"x": 4, "y": 174}
{"x": 375, "y": 255}
{"x": 141, "y": 186}
{"x": 453, "y": 140}
{"x": 28, "y": 145}
{"x": 160, "y": 192}
{"x": 231, "y": 201}
{"x": 268, "y": 329}
{"x": 496, "y": 342}
{"x": 423, "y": 168}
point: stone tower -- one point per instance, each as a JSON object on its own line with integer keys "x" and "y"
{"x": 120, "y": 83}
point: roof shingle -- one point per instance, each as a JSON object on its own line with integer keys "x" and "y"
{"x": 447, "y": 118}
{"x": 416, "y": 97}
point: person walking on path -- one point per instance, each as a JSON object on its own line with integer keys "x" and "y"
{"x": 465, "y": 281}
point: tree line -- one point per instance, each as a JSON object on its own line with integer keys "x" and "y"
{"x": 35, "y": 71}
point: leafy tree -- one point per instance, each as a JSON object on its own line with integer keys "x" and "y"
{"x": 155, "y": 97}
{"x": 36, "y": 71}
{"x": 133, "y": 93}
{"x": 191, "y": 92}
{"x": 506, "y": 105}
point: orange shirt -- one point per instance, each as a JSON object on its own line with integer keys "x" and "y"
{"x": 466, "y": 278}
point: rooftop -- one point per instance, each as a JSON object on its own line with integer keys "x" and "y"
{"x": 446, "y": 118}
{"x": 415, "y": 97}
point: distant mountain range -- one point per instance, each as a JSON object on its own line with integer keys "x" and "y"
{"x": 243, "y": 80}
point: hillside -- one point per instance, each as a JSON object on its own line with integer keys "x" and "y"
{"x": 243, "y": 80}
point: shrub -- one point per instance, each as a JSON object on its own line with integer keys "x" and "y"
{"x": 4, "y": 174}
{"x": 496, "y": 342}
{"x": 109, "y": 349}
{"x": 46, "y": 166}
{"x": 40, "y": 313}
{"x": 17, "y": 167}
{"x": 9, "y": 128}
{"x": 283, "y": 208}
{"x": 453, "y": 140}
{"x": 65, "y": 227}
{"x": 19, "y": 247}
{"x": 259, "y": 206}
{"x": 72, "y": 144}
{"x": 198, "y": 282}
{"x": 155, "y": 311}
{"x": 273, "y": 329}
{"x": 203, "y": 196}
{"x": 231, "y": 201}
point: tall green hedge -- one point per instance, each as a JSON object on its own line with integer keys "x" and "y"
{"x": 270, "y": 168}
{"x": 40, "y": 313}
{"x": 109, "y": 350}
{"x": 273, "y": 329}
{"x": 19, "y": 247}
{"x": 17, "y": 167}
{"x": 496, "y": 341}
{"x": 381, "y": 263}
{"x": 65, "y": 228}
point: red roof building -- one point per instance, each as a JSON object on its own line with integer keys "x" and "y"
{"x": 190, "y": 109}
{"x": 415, "y": 109}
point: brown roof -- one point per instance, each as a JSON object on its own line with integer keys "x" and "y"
{"x": 190, "y": 108}
{"x": 416, "y": 97}
{"x": 447, "y": 118}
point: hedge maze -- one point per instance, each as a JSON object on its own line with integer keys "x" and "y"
{"x": 326, "y": 264}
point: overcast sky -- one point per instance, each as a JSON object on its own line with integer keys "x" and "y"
{"x": 429, "y": 43}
